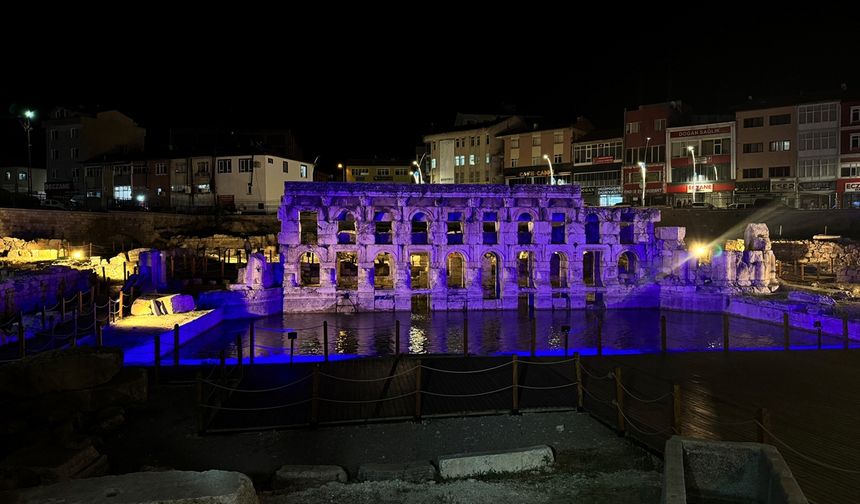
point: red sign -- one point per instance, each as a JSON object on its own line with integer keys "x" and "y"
{"x": 687, "y": 188}
{"x": 694, "y": 132}
{"x": 603, "y": 160}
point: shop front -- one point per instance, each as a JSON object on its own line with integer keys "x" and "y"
{"x": 748, "y": 191}
{"x": 817, "y": 194}
{"x": 718, "y": 194}
{"x": 849, "y": 193}
{"x": 784, "y": 190}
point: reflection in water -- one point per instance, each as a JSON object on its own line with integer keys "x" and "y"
{"x": 497, "y": 332}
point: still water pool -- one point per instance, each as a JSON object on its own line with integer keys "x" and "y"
{"x": 489, "y": 333}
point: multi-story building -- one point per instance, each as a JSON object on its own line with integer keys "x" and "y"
{"x": 645, "y": 146}
{"x": 817, "y": 154}
{"x": 14, "y": 179}
{"x": 535, "y": 152}
{"x": 848, "y": 185}
{"x": 597, "y": 159}
{"x": 701, "y": 164}
{"x": 192, "y": 182}
{"x": 379, "y": 171}
{"x": 77, "y": 134}
{"x": 766, "y": 153}
{"x": 469, "y": 152}
{"x": 254, "y": 182}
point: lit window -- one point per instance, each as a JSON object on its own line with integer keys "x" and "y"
{"x": 303, "y": 171}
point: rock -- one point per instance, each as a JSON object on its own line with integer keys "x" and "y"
{"x": 72, "y": 369}
{"x": 142, "y": 306}
{"x": 756, "y": 237}
{"x": 49, "y": 463}
{"x": 811, "y": 298}
{"x": 175, "y": 303}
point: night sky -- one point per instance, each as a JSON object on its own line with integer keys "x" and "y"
{"x": 369, "y": 93}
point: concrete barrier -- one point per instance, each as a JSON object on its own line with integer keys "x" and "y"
{"x": 463, "y": 465}
{"x": 414, "y": 472}
{"x": 721, "y": 471}
{"x": 169, "y": 487}
{"x": 307, "y": 475}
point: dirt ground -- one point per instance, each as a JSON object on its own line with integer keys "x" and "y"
{"x": 593, "y": 464}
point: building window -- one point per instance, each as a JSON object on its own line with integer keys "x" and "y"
{"x": 817, "y": 168}
{"x": 432, "y": 163}
{"x": 225, "y": 165}
{"x": 779, "y": 119}
{"x": 753, "y": 122}
{"x": 472, "y": 141}
{"x": 74, "y": 133}
{"x": 855, "y": 115}
{"x": 535, "y": 141}
{"x": 139, "y": 170}
{"x": 55, "y": 154}
{"x": 659, "y": 124}
{"x": 558, "y": 137}
{"x": 515, "y": 143}
{"x": 76, "y": 174}
{"x": 203, "y": 188}
{"x": 753, "y": 173}
{"x": 556, "y": 158}
{"x": 285, "y": 166}
{"x": 55, "y": 134}
{"x": 245, "y": 165}
{"x": 161, "y": 168}
{"x": 383, "y": 172}
{"x": 202, "y": 167}
{"x": 472, "y": 159}
{"x": 514, "y": 162}
{"x": 751, "y": 148}
{"x": 122, "y": 169}
{"x": 780, "y": 145}
{"x": 122, "y": 193}
{"x": 270, "y": 161}
{"x": 817, "y": 140}
{"x": 819, "y": 113}
{"x": 457, "y": 142}
{"x": 535, "y": 160}
{"x": 73, "y": 153}
{"x": 487, "y": 159}
{"x": 303, "y": 171}
{"x": 22, "y": 176}
{"x": 779, "y": 171}
{"x": 851, "y": 170}
{"x": 400, "y": 172}
{"x": 855, "y": 141}
{"x": 93, "y": 171}
{"x": 631, "y": 127}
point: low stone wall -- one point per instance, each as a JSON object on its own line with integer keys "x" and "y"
{"x": 844, "y": 255}
{"x": 27, "y": 291}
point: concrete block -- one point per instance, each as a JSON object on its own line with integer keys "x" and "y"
{"x": 175, "y": 303}
{"x": 306, "y": 475}
{"x": 415, "y": 472}
{"x": 168, "y": 487}
{"x": 463, "y": 465}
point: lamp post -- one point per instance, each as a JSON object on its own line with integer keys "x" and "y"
{"x": 551, "y": 172}
{"x": 693, "y": 157}
{"x": 420, "y": 179}
{"x": 28, "y": 116}
{"x": 340, "y": 167}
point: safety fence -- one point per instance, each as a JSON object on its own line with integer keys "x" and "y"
{"x": 640, "y": 405}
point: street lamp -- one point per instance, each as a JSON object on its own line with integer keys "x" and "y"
{"x": 643, "y": 167}
{"x": 693, "y": 157}
{"x": 551, "y": 172}
{"x": 420, "y": 178}
{"x": 340, "y": 167}
{"x": 28, "y": 116}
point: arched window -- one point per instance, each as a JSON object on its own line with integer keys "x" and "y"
{"x": 383, "y": 271}
{"x": 456, "y": 271}
{"x": 347, "y": 270}
{"x": 627, "y": 267}
{"x": 592, "y": 229}
{"x": 308, "y": 227}
{"x": 345, "y": 228}
{"x": 419, "y": 229}
{"x": 558, "y": 270}
{"x": 525, "y": 269}
{"x": 525, "y": 226}
{"x": 490, "y": 275}
{"x": 419, "y": 270}
{"x": 309, "y": 270}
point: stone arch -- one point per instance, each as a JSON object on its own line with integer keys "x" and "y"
{"x": 455, "y": 269}
{"x": 383, "y": 271}
{"x": 491, "y": 265}
{"x": 383, "y": 226}
{"x": 628, "y": 267}
{"x": 558, "y": 270}
{"x": 525, "y": 269}
{"x": 309, "y": 269}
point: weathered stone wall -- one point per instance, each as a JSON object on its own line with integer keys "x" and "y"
{"x": 591, "y": 244}
{"x": 844, "y": 255}
{"x": 143, "y": 228}
{"x": 27, "y": 291}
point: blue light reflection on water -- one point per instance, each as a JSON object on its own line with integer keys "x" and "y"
{"x": 490, "y": 333}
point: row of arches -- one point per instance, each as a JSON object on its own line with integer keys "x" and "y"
{"x": 455, "y": 270}
{"x": 455, "y": 228}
